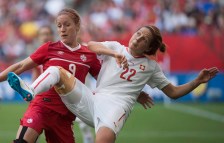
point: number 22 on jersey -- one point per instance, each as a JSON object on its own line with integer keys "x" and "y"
{"x": 127, "y": 74}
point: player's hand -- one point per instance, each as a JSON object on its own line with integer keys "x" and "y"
{"x": 121, "y": 61}
{"x": 206, "y": 74}
{"x": 145, "y": 100}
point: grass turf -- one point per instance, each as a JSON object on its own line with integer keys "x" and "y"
{"x": 160, "y": 124}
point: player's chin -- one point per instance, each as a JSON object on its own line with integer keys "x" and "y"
{"x": 133, "y": 47}
{"x": 66, "y": 41}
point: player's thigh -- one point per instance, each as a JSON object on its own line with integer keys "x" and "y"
{"x": 66, "y": 82}
{"x": 31, "y": 125}
{"x": 27, "y": 134}
{"x": 105, "y": 134}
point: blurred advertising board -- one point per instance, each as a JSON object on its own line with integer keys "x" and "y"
{"x": 212, "y": 91}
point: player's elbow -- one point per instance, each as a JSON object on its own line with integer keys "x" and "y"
{"x": 171, "y": 91}
{"x": 173, "y": 97}
{"x": 92, "y": 46}
{"x": 173, "y": 94}
{"x": 95, "y": 47}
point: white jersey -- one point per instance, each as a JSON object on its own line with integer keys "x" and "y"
{"x": 123, "y": 86}
{"x": 116, "y": 92}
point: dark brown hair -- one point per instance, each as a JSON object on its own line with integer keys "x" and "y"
{"x": 73, "y": 14}
{"x": 156, "y": 42}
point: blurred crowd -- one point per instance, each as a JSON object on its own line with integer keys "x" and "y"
{"x": 103, "y": 20}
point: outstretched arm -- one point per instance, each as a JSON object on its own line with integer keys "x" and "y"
{"x": 204, "y": 76}
{"x": 18, "y": 68}
{"x": 100, "y": 49}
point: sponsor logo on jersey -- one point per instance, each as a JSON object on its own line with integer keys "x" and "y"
{"x": 142, "y": 67}
{"x": 83, "y": 58}
{"x": 30, "y": 120}
{"x": 60, "y": 52}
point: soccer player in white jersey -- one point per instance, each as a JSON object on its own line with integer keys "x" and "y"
{"x": 124, "y": 73}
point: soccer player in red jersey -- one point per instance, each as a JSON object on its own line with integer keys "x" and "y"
{"x": 46, "y": 34}
{"x": 47, "y": 112}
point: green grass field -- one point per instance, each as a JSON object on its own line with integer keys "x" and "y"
{"x": 176, "y": 123}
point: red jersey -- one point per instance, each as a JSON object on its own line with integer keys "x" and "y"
{"x": 79, "y": 61}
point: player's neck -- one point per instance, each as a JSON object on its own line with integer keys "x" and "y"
{"x": 135, "y": 55}
{"x": 74, "y": 45}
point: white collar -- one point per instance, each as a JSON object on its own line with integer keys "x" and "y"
{"x": 72, "y": 49}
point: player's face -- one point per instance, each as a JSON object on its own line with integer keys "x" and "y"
{"x": 140, "y": 41}
{"x": 45, "y": 34}
{"x": 66, "y": 29}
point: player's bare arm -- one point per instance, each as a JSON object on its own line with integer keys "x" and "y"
{"x": 204, "y": 76}
{"x": 18, "y": 68}
{"x": 100, "y": 49}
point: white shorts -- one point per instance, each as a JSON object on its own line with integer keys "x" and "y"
{"x": 95, "y": 110}
{"x": 108, "y": 113}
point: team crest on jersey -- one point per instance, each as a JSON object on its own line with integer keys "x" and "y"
{"x": 60, "y": 52}
{"x": 142, "y": 67}
{"x": 83, "y": 58}
{"x": 30, "y": 120}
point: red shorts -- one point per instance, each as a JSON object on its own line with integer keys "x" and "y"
{"x": 57, "y": 127}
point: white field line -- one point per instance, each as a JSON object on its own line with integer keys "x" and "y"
{"x": 197, "y": 112}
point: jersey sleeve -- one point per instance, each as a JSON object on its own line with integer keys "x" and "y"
{"x": 41, "y": 54}
{"x": 158, "y": 79}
